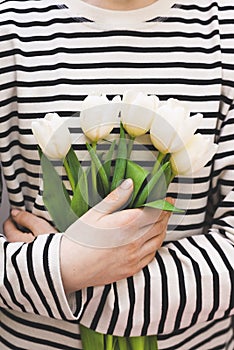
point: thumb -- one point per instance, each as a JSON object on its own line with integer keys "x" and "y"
{"x": 115, "y": 200}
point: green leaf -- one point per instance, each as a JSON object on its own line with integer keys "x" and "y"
{"x": 138, "y": 175}
{"x": 163, "y": 205}
{"x": 91, "y": 340}
{"x": 79, "y": 203}
{"x": 142, "y": 198}
{"x": 123, "y": 343}
{"x": 121, "y": 160}
{"x": 55, "y": 196}
{"x": 137, "y": 343}
{"x": 74, "y": 165}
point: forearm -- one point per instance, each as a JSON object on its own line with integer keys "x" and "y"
{"x": 30, "y": 277}
{"x": 189, "y": 282}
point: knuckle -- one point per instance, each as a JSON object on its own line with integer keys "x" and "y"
{"x": 6, "y": 226}
{"x": 133, "y": 255}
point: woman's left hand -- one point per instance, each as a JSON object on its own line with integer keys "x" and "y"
{"x": 22, "y": 226}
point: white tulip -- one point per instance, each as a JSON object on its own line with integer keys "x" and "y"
{"x": 137, "y": 112}
{"x": 173, "y": 127}
{"x": 99, "y": 116}
{"x": 195, "y": 155}
{"x": 52, "y": 136}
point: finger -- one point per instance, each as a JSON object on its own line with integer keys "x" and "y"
{"x": 151, "y": 245}
{"x": 150, "y": 216}
{"x": 154, "y": 230}
{"x": 146, "y": 261}
{"x": 30, "y": 221}
{"x": 148, "y": 250}
{"x": 138, "y": 217}
{"x": 115, "y": 200}
{"x": 14, "y": 235}
{"x": 170, "y": 200}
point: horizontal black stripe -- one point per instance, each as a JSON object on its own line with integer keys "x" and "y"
{"x": 42, "y": 23}
{"x": 30, "y": 147}
{"x": 23, "y": 158}
{"x": 21, "y": 171}
{"x": 224, "y": 154}
{"x": 209, "y": 339}
{"x": 29, "y": 10}
{"x": 142, "y": 65}
{"x": 193, "y": 226}
{"x": 70, "y": 20}
{"x": 9, "y": 345}
{"x": 193, "y": 20}
{"x": 23, "y": 185}
{"x": 15, "y": 128}
{"x": 199, "y": 8}
{"x": 105, "y": 34}
{"x": 89, "y": 50}
{"x": 63, "y": 97}
{"x": 36, "y": 340}
{"x": 103, "y": 81}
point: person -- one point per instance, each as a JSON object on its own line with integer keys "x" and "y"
{"x": 53, "y": 54}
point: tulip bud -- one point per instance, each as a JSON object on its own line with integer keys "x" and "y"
{"x": 173, "y": 127}
{"x": 99, "y": 116}
{"x": 52, "y": 136}
{"x": 137, "y": 112}
{"x": 193, "y": 156}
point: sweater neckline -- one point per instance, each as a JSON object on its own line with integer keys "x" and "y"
{"x": 118, "y": 19}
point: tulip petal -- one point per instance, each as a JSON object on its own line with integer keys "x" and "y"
{"x": 98, "y": 116}
{"x": 162, "y": 134}
{"x": 194, "y": 155}
{"x": 52, "y": 135}
{"x": 137, "y": 112}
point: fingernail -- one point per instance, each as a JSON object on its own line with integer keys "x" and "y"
{"x": 15, "y": 212}
{"x": 126, "y": 184}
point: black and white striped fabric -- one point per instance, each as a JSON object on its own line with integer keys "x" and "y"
{"x": 52, "y": 55}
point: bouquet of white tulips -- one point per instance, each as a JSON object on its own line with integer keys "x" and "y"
{"x": 179, "y": 152}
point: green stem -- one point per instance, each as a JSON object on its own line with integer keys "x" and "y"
{"x": 158, "y": 162}
{"x": 130, "y": 145}
{"x": 121, "y": 160}
{"x": 171, "y": 178}
{"x": 93, "y": 170}
{"x": 69, "y": 174}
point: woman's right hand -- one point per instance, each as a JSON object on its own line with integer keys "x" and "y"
{"x": 129, "y": 240}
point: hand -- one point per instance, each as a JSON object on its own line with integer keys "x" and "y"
{"x": 30, "y": 224}
{"x": 83, "y": 265}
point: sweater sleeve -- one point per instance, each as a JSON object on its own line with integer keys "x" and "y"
{"x": 30, "y": 278}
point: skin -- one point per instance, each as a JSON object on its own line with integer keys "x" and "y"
{"x": 120, "y": 5}
{"x": 83, "y": 266}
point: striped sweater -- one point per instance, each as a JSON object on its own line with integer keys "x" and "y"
{"x": 52, "y": 55}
